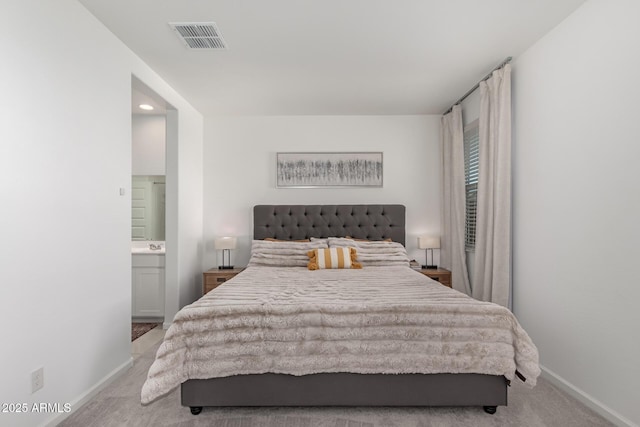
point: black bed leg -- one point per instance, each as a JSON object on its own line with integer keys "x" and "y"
{"x": 488, "y": 409}
{"x": 195, "y": 410}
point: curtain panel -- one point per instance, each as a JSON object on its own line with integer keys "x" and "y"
{"x": 452, "y": 250}
{"x": 492, "y": 269}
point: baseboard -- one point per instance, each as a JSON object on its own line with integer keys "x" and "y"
{"x": 586, "y": 399}
{"x": 89, "y": 394}
{"x": 166, "y": 325}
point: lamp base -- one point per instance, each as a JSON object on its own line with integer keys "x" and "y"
{"x": 225, "y": 267}
{"x": 430, "y": 267}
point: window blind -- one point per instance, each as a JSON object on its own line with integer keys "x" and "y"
{"x": 471, "y": 170}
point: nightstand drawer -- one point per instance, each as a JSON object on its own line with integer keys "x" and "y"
{"x": 215, "y": 277}
{"x": 439, "y": 275}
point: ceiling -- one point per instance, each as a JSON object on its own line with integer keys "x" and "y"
{"x": 342, "y": 57}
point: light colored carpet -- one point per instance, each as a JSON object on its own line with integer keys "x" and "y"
{"x": 119, "y": 405}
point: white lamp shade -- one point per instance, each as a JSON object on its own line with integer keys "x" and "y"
{"x": 225, "y": 243}
{"x": 429, "y": 242}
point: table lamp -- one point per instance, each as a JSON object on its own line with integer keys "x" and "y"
{"x": 429, "y": 243}
{"x": 225, "y": 244}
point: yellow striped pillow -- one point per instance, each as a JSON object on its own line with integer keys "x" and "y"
{"x": 333, "y": 258}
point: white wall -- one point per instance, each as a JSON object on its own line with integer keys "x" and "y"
{"x": 240, "y": 170}
{"x": 65, "y": 151}
{"x": 576, "y": 204}
{"x": 188, "y": 206}
{"x": 148, "y": 140}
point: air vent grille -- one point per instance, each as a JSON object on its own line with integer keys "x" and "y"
{"x": 199, "y": 35}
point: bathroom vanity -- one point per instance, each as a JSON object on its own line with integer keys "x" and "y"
{"x": 147, "y": 283}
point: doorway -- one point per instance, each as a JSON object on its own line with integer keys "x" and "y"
{"x": 148, "y": 213}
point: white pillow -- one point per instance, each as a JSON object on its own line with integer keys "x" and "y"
{"x": 374, "y": 253}
{"x": 282, "y": 254}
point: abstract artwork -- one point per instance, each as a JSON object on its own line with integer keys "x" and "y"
{"x": 309, "y": 170}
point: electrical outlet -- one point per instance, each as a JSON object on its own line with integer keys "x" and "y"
{"x": 37, "y": 379}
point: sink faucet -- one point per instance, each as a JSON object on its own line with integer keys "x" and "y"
{"x": 155, "y": 247}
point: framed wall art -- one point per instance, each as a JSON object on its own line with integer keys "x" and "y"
{"x": 315, "y": 170}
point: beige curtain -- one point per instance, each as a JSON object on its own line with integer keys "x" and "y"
{"x": 452, "y": 247}
{"x": 492, "y": 269}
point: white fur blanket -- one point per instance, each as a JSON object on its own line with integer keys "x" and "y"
{"x": 375, "y": 320}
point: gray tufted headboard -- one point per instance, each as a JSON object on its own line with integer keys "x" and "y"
{"x": 296, "y": 222}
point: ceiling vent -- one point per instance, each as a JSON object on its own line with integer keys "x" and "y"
{"x": 199, "y": 35}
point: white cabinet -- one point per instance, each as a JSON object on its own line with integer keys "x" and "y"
{"x": 147, "y": 293}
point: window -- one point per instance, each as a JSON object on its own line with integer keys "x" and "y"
{"x": 471, "y": 168}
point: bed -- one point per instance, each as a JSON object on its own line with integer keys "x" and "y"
{"x": 383, "y": 335}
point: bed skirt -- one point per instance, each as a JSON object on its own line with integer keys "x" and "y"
{"x": 346, "y": 389}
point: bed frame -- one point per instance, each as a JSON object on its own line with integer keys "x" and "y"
{"x": 372, "y": 222}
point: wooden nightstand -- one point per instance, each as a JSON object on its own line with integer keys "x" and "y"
{"x": 215, "y": 277}
{"x": 438, "y": 274}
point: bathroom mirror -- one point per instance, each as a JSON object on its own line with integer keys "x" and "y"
{"x": 147, "y": 207}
